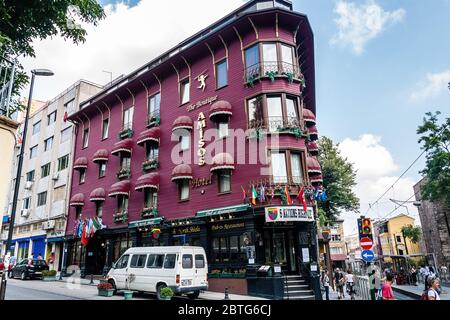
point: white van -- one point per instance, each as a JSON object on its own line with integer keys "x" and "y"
{"x": 149, "y": 269}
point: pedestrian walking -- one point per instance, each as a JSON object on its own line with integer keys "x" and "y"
{"x": 349, "y": 284}
{"x": 413, "y": 273}
{"x": 433, "y": 292}
{"x": 386, "y": 290}
{"x": 339, "y": 282}
{"x": 326, "y": 284}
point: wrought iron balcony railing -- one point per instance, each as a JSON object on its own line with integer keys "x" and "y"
{"x": 272, "y": 69}
{"x": 154, "y": 119}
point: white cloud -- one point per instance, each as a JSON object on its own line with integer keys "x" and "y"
{"x": 359, "y": 23}
{"x": 376, "y": 172}
{"x": 435, "y": 84}
{"x": 129, "y": 37}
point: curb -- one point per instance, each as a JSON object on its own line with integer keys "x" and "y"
{"x": 407, "y": 293}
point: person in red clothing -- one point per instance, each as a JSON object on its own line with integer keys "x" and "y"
{"x": 386, "y": 290}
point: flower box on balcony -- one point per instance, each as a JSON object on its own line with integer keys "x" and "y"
{"x": 125, "y": 133}
{"x": 154, "y": 121}
{"x": 121, "y": 217}
{"x": 296, "y": 131}
{"x": 149, "y": 213}
{"x": 150, "y": 164}
{"x": 124, "y": 173}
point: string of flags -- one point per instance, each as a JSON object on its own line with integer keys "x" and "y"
{"x": 86, "y": 228}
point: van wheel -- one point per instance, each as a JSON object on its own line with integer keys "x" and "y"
{"x": 158, "y": 291}
{"x": 23, "y": 276}
{"x": 194, "y": 295}
{"x": 114, "y": 286}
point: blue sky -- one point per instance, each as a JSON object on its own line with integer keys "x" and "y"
{"x": 388, "y": 66}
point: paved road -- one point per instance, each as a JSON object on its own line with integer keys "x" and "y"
{"x": 14, "y": 292}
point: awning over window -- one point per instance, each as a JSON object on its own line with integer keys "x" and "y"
{"x": 313, "y": 133}
{"x": 122, "y": 146}
{"x": 317, "y": 179}
{"x": 152, "y": 134}
{"x": 98, "y": 194}
{"x": 313, "y": 166}
{"x": 120, "y": 188}
{"x": 182, "y": 171}
{"x": 183, "y": 122}
{"x": 77, "y": 200}
{"x": 150, "y": 180}
{"x": 101, "y": 155}
{"x": 220, "y": 108}
{"x": 313, "y": 148}
{"x": 222, "y": 161}
{"x": 309, "y": 117}
{"x": 80, "y": 163}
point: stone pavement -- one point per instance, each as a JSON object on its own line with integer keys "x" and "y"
{"x": 416, "y": 291}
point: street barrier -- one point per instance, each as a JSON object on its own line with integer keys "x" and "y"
{"x": 362, "y": 287}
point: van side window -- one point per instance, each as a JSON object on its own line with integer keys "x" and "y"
{"x": 155, "y": 261}
{"x": 138, "y": 261}
{"x": 187, "y": 261}
{"x": 199, "y": 261}
{"x": 151, "y": 260}
{"x": 123, "y": 262}
{"x": 169, "y": 262}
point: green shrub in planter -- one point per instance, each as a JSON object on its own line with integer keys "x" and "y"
{"x": 166, "y": 293}
{"x": 49, "y": 275}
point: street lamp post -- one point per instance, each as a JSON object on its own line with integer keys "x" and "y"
{"x": 35, "y": 72}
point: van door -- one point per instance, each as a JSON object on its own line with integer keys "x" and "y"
{"x": 121, "y": 271}
{"x": 137, "y": 273}
{"x": 187, "y": 273}
{"x": 154, "y": 271}
{"x": 201, "y": 268}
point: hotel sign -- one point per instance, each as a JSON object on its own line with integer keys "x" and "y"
{"x": 202, "y": 103}
{"x": 201, "y": 125}
{"x": 289, "y": 214}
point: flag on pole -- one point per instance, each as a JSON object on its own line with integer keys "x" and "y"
{"x": 65, "y": 116}
{"x": 254, "y": 195}
{"x": 84, "y": 239}
{"x": 75, "y": 227}
{"x": 95, "y": 226}
{"x": 244, "y": 195}
{"x": 288, "y": 196}
{"x": 262, "y": 194}
{"x": 301, "y": 197}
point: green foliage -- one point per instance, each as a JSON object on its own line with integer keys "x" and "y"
{"x": 166, "y": 292}
{"x": 412, "y": 233}
{"x": 49, "y": 273}
{"x": 435, "y": 139}
{"x": 339, "y": 178}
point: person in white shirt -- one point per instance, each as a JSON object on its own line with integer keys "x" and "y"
{"x": 349, "y": 283}
{"x": 433, "y": 290}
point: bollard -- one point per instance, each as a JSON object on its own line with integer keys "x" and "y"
{"x": 60, "y": 275}
{"x": 226, "y": 294}
{"x": 3, "y": 286}
{"x": 92, "y": 279}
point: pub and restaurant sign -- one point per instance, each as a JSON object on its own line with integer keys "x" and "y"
{"x": 186, "y": 230}
{"x": 289, "y": 214}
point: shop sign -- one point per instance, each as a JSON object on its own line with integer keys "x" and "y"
{"x": 144, "y": 223}
{"x": 227, "y": 226}
{"x": 186, "y": 230}
{"x": 292, "y": 213}
{"x": 201, "y": 182}
{"x": 224, "y": 210}
{"x": 201, "y": 125}
{"x": 202, "y": 103}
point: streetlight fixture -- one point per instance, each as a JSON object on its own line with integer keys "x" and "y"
{"x": 34, "y": 73}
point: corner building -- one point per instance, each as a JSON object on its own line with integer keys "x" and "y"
{"x": 253, "y": 70}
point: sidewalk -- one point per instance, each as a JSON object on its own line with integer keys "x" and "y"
{"x": 416, "y": 291}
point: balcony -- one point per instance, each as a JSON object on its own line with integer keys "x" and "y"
{"x": 124, "y": 173}
{"x": 154, "y": 119}
{"x": 150, "y": 164}
{"x": 273, "y": 70}
{"x": 126, "y": 131}
{"x": 290, "y": 125}
{"x": 121, "y": 217}
{"x": 148, "y": 213}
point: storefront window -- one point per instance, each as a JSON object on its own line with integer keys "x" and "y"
{"x": 228, "y": 249}
{"x": 121, "y": 244}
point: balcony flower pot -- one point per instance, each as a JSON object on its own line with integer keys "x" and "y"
{"x": 105, "y": 289}
{"x": 126, "y": 133}
{"x": 149, "y": 213}
{"x": 150, "y": 164}
{"x": 124, "y": 173}
{"x": 128, "y": 295}
{"x": 120, "y": 217}
{"x": 154, "y": 121}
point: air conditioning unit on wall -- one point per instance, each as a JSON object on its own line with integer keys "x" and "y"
{"x": 28, "y": 185}
{"x": 25, "y": 213}
{"x": 55, "y": 176}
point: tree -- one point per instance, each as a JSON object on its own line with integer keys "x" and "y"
{"x": 339, "y": 178}
{"x": 435, "y": 138}
{"x": 414, "y": 234}
{"x": 21, "y": 22}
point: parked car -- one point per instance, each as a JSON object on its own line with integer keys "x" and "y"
{"x": 29, "y": 269}
{"x": 150, "y": 269}
{"x": 2, "y": 266}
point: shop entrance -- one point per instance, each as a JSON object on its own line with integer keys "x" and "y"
{"x": 280, "y": 248}
{"x": 95, "y": 256}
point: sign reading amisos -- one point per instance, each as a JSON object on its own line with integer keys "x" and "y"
{"x": 286, "y": 214}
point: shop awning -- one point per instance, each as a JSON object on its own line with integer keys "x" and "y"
{"x": 149, "y": 180}
{"x": 220, "y": 108}
{"x": 313, "y": 148}
{"x": 56, "y": 239}
{"x": 309, "y": 117}
{"x": 149, "y": 135}
{"x": 120, "y": 188}
{"x": 224, "y": 210}
{"x": 317, "y": 179}
{"x": 122, "y": 146}
{"x": 145, "y": 223}
{"x": 98, "y": 194}
{"x": 182, "y": 171}
{"x": 222, "y": 161}
{"x": 77, "y": 200}
{"x": 183, "y": 122}
{"x": 80, "y": 163}
{"x": 101, "y": 155}
{"x": 313, "y": 166}
{"x": 313, "y": 133}
{"x": 338, "y": 257}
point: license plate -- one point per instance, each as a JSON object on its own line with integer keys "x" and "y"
{"x": 38, "y": 272}
{"x": 185, "y": 283}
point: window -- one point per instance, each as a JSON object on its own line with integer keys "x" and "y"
{"x": 221, "y": 74}
{"x": 336, "y": 237}
{"x": 127, "y": 122}
{"x": 105, "y": 128}
{"x": 122, "y": 204}
{"x": 122, "y": 262}
{"x": 48, "y": 144}
{"x": 66, "y": 134}
{"x": 51, "y": 118}
{"x": 150, "y": 198}
{"x": 82, "y": 176}
{"x": 292, "y": 112}
{"x": 36, "y": 127}
{"x": 154, "y": 103}
{"x": 138, "y": 261}
{"x": 125, "y": 162}
{"x": 99, "y": 209}
{"x": 85, "y": 137}
{"x": 69, "y": 106}
{"x": 287, "y": 56}
{"x": 223, "y": 129}
{"x": 186, "y": 261}
{"x": 184, "y": 142}
{"x": 399, "y": 239}
{"x": 63, "y": 162}
{"x": 183, "y": 189}
{"x": 252, "y": 61}
{"x": 155, "y": 261}
{"x": 255, "y": 113}
{"x": 33, "y": 152}
{"x": 169, "y": 261}
{"x": 184, "y": 91}
{"x": 224, "y": 177}
{"x": 199, "y": 261}
{"x": 30, "y": 175}
{"x": 296, "y": 168}
{"x": 279, "y": 170}
{"x": 26, "y": 203}
{"x": 78, "y": 210}
{"x": 101, "y": 169}
{"x": 151, "y": 150}
{"x": 45, "y": 170}
{"x": 274, "y": 113}
{"x": 42, "y": 199}
{"x": 229, "y": 249}
{"x": 336, "y": 250}
{"x": 269, "y": 52}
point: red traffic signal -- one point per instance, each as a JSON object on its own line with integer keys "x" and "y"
{"x": 366, "y": 226}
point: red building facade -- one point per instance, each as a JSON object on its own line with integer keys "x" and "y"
{"x": 147, "y": 155}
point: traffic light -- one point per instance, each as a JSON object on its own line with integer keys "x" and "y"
{"x": 366, "y": 226}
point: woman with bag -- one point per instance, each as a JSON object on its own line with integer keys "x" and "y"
{"x": 386, "y": 290}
